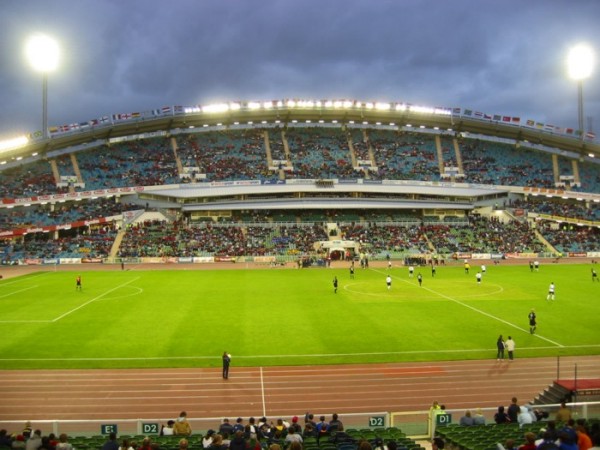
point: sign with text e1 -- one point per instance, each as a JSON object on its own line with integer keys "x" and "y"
{"x": 107, "y": 428}
{"x": 443, "y": 419}
{"x": 377, "y": 421}
{"x": 150, "y": 428}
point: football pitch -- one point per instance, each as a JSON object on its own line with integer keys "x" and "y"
{"x": 187, "y": 318}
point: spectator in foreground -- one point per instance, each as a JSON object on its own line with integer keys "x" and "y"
{"x": 182, "y": 426}
{"x": 112, "y": 443}
{"x": 466, "y": 420}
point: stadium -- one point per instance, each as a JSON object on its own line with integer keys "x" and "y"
{"x": 199, "y": 229}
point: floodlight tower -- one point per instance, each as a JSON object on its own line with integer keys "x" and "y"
{"x": 580, "y": 63}
{"x": 42, "y": 52}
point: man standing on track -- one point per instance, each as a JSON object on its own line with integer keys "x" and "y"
{"x": 226, "y": 363}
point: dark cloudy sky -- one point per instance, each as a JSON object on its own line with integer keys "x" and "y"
{"x": 119, "y": 56}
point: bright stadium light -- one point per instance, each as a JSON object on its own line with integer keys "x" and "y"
{"x": 580, "y": 63}
{"x": 43, "y": 55}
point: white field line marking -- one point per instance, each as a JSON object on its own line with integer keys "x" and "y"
{"x": 262, "y": 392}
{"x": 315, "y": 355}
{"x": 94, "y": 299}
{"x": 491, "y": 316}
{"x": 20, "y": 290}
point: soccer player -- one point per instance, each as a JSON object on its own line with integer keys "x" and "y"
{"x": 478, "y": 277}
{"x": 483, "y": 268}
{"x": 532, "y": 321}
{"x": 551, "y": 290}
{"x": 78, "y": 283}
{"x": 352, "y": 270}
{"x": 467, "y": 267}
{"x": 335, "y": 284}
{"x": 411, "y": 271}
{"x": 420, "y": 278}
{"x": 389, "y": 264}
{"x": 536, "y": 265}
{"x": 594, "y": 275}
{"x": 226, "y": 363}
{"x": 388, "y": 281}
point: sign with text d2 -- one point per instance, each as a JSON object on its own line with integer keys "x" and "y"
{"x": 377, "y": 421}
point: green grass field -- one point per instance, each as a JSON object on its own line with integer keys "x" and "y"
{"x": 290, "y": 317}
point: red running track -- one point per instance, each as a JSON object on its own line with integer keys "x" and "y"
{"x": 278, "y": 391}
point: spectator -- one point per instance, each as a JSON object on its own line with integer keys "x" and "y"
{"x": 208, "y": 438}
{"x": 513, "y": 410}
{"x": 238, "y": 442}
{"x": 529, "y": 442}
{"x": 584, "y": 442}
{"x": 112, "y": 443}
{"x": 466, "y": 420}
{"x": 182, "y": 426}
{"x": 18, "y": 443}
{"x": 226, "y": 427}
{"x": 501, "y": 417}
{"x": 5, "y": 440}
{"x": 524, "y": 416}
{"x": 217, "y": 443}
{"x": 64, "y": 443}
{"x": 335, "y": 424}
{"x": 167, "y": 430}
{"x": 295, "y": 425}
{"x": 478, "y": 418}
{"x": 563, "y": 414}
{"x": 292, "y": 436}
{"x": 35, "y": 441}
{"x": 183, "y": 444}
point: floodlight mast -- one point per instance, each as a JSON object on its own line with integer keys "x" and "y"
{"x": 42, "y": 53}
{"x": 580, "y": 64}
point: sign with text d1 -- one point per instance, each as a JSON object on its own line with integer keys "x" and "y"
{"x": 443, "y": 419}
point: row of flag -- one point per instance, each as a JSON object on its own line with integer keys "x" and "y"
{"x": 176, "y": 110}
{"x": 112, "y": 119}
{"x": 517, "y": 121}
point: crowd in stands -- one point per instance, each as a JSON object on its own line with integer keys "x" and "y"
{"x": 559, "y": 207}
{"x": 61, "y": 213}
{"x": 521, "y": 427}
{"x": 316, "y": 153}
{"x": 251, "y": 434}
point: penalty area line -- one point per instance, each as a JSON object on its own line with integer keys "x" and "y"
{"x": 94, "y": 299}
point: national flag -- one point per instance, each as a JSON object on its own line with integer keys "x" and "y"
{"x": 516, "y": 120}
{"x": 53, "y": 130}
{"x": 166, "y": 110}
{"x": 74, "y": 126}
{"x": 104, "y": 119}
{"x": 497, "y": 117}
{"x": 468, "y": 112}
{"x": 126, "y": 116}
{"x": 505, "y": 119}
{"x": 116, "y": 117}
{"x": 84, "y": 124}
{"x": 548, "y": 127}
{"x": 569, "y": 130}
{"x": 487, "y": 116}
{"x": 539, "y": 125}
{"x": 530, "y": 123}
{"x": 455, "y": 110}
{"x": 94, "y": 122}
{"x": 178, "y": 109}
{"x": 478, "y": 114}
{"x": 135, "y": 115}
{"x": 590, "y": 135}
{"x": 156, "y": 112}
{"x": 64, "y": 128}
